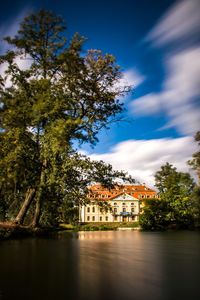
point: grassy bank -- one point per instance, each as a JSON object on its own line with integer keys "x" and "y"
{"x": 99, "y": 226}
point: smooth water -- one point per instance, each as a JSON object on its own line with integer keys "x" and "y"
{"x": 102, "y": 265}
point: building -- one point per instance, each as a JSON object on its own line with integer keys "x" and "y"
{"x": 119, "y": 204}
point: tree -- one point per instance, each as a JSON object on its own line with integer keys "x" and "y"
{"x": 64, "y": 95}
{"x": 175, "y": 206}
{"x": 195, "y": 161}
{"x": 195, "y": 164}
{"x": 153, "y": 216}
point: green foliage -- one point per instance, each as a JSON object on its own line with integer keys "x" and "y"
{"x": 196, "y": 206}
{"x": 2, "y": 210}
{"x": 195, "y": 161}
{"x": 103, "y": 226}
{"x": 154, "y": 215}
{"x": 63, "y": 96}
{"x": 5, "y": 233}
{"x": 175, "y": 206}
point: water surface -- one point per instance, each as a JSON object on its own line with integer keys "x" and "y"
{"x": 102, "y": 265}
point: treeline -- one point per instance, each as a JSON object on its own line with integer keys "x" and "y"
{"x": 53, "y": 96}
{"x": 179, "y": 203}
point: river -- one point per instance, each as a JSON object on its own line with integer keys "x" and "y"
{"x": 118, "y": 265}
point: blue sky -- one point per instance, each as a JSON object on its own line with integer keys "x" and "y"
{"x": 157, "y": 45}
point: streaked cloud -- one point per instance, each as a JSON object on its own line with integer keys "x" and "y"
{"x": 142, "y": 158}
{"x": 180, "y": 94}
{"x": 180, "y": 23}
{"x": 11, "y": 27}
{"x": 130, "y": 77}
{"x": 179, "y": 97}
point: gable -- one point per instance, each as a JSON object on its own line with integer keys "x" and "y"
{"x": 124, "y": 197}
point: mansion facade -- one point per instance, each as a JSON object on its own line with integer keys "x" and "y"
{"x": 120, "y": 204}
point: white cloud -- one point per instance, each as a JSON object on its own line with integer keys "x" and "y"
{"x": 10, "y": 28}
{"x": 180, "y": 23}
{"x": 130, "y": 77}
{"x": 142, "y": 158}
{"x": 179, "y": 98}
{"x": 22, "y": 62}
{"x": 146, "y": 105}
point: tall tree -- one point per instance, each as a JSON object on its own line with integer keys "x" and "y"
{"x": 195, "y": 164}
{"x": 175, "y": 206}
{"x": 64, "y": 95}
{"x": 195, "y": 161}
{"x": 176, "y": 189}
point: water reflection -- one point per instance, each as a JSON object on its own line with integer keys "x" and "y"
{"x": 102, "y": 265}
{"x": 122, "y": 270}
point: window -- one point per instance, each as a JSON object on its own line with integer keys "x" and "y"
{"x": 101, "y": 210}
{"x": 132, "y": 204}
{"x": 115, "y": 203}
{"x": 124, "y": 209}
{"x": 106, "y": 218}
{"x": 115, "y": 209}
{"x": 123, "y": 203}
{"x": 132, "y": 209}
{"x": 93, "y": 218}
{"x": 133, "y": 218}
{"x": 88, "y": 218}
{"x": 100, "y": 219}
{"x": 88, "y": 209}
{"x": 93, "y": 209}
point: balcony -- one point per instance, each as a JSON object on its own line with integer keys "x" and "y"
{"x": 126, "y": 214}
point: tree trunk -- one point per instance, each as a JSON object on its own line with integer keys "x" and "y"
{"x": 37, "y": 213}
{"x": 36, "y": 217}
{"x": 24, "y": 209}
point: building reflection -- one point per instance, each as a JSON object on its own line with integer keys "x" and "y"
{"x": 119, "y": 265}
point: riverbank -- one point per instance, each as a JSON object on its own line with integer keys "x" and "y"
{"x": 12, "y": 231}
{"x": 100, "y": 226}
{"x": 9, "y": 230}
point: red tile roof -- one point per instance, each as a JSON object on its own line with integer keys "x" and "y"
{"x": 137, "y": 191}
